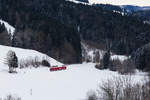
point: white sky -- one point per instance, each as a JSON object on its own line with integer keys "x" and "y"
{"x": 123, "y": 2}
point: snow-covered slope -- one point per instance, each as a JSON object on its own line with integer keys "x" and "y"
{"x": 78, "y": 2}
{"x": 25, "y": 54}
{"x": 41, "y": 84}
{"x": 145, "y": 3}
{"x": 10, "y": 29}
{"x": 122, "y": 2}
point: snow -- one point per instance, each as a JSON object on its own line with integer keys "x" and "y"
{"x": 41, "y": 84}
{"x": 78, "y": 2}
{"x": 120, "y": 57}
{"x": 10, "y": 29}
{"x": 122, "y": 13}
{"x": 25, "y": 54}
{"x": 122, "y": 2}
{"x": 117, "y": 2}
{"x": 147, "y": 22}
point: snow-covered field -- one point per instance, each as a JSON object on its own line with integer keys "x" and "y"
{"x": 41, "y": 84}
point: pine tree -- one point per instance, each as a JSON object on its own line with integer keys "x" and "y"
{"x": 106, "y": 59}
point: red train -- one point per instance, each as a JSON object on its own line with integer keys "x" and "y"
{"x": 58, "y": 68}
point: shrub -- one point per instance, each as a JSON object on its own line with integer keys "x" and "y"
{"x": 123, "y": 67}
{"x": 12, "y": 61}
{"x": 142, "y": 57}
{"x": 46, "y": 63}
{"x": 92, "y": 96}
{"x": 35, "y": 62}
{"x": 96, "y": 59}
{"x": 106, "y": 59}
{"x": 128, "y": 67}
{"x": 122, "y": 88}
{"x": 115, "y": 65}
{"x": 100, "y": 65}
{"x": 105, "y": 62}
{"x": 10, "y": 97}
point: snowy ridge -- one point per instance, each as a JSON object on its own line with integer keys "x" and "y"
{"x": 122, "y": 2}
{"x": 10, "y": 29}
{"x": 25, "y": 54}
{"x": 79, "y": 2}
{"x": 141, "y": 3}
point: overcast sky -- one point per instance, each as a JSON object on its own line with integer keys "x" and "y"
{"x": 123, "y": 2}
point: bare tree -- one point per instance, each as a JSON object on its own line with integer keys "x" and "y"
{"x": 122, "y": 88}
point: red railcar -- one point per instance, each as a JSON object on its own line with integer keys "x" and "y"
{"x": 58, "y": 68}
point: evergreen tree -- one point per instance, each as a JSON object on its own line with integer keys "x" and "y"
{"x": 106, "y": 59}
{"x": 12, "y": 61}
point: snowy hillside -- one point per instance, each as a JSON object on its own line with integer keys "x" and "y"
{"x": 79, "y": 2}
{"x": 41, "y": 84}
{"x": 25, "y": 54}
{"x": 141, "y": 3}
{"x": 122, "y": 2}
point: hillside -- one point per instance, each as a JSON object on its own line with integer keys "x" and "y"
{"x": 38, "y": 31}
{"x": 145, "y": 15}
{"x": 91, "y": 53}
{"x": 122, "y": 2}
{"x": 73, "y": 50}
{"x": 25, "y": 54}
{"x": 59, "y": 26}
{"x": 39, "y": 83}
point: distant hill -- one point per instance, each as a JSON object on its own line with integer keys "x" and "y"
{"x": 56, "y": 27}
{"x": 86, "y": 1}
{"x": 131, "y": 8}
